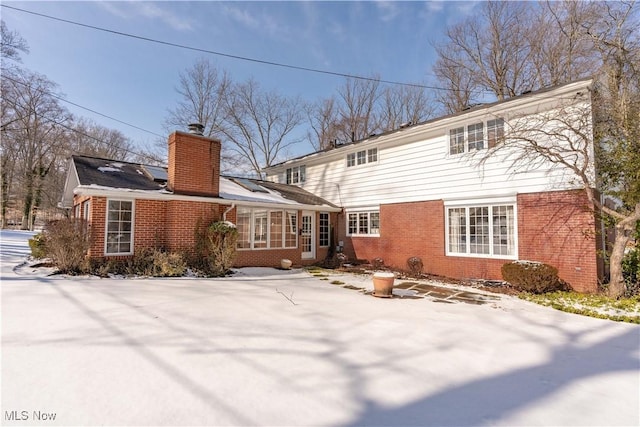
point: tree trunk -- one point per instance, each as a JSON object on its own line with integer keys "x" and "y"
{"x": 617, "y": 285}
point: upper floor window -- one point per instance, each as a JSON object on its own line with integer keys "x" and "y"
{"x": 296, "y": 175}
{"x": 473, "y": 136}
{"x": 362, "y": 157}
{"x": 495, "y": 132}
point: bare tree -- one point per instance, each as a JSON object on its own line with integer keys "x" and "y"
{"x": 259, "y": 124}
{"x": 90, "y": 139}
{"x": 560, "y": 50}
{"x": 34, "y": 138}
{"x": 322, "y": 117}
{"x": 357, "y": 117}
{"x": 203, "y": 89}
{"x": 598, "y": 142}
{"x": 488, "y": 52}
{"x": 12, "y": 44}
{"x": 403, "y": 105}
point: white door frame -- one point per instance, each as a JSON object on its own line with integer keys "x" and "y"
{"x": 308, "y": 231}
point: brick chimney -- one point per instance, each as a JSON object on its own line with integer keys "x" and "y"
{"x": 194, "y": 163}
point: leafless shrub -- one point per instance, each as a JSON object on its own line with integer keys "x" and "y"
{"x": 66, "y": 243}
{"x": 415, "y": 265}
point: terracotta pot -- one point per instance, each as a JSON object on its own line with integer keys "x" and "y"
{"x": 383, "y": 284}
{"x": 285, "y": 263}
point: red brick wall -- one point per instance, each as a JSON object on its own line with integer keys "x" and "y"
{"x": 149, "y": 232}
{"x": 182, "y": 217}
{"x": 171, "y": 225}
{"x": 558, "y": 228}
{"x": 553, "y": 227}
{"x": 194, "y": 165}
{"x": 98, "y": 216}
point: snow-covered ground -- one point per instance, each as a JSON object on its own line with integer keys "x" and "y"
{"x": 270, "y": 347}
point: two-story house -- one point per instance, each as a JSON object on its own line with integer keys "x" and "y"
{"x": 439, "y": 190}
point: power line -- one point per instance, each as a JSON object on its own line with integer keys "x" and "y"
{"x": 84, "y": 108}
{"x": 227, "y": 55}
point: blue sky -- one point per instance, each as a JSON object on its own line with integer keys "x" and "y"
{"x": 135, "y": 80}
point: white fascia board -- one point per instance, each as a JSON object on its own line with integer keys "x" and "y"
{"x": 124, "y": 193}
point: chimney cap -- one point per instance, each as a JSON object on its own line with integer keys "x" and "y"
{"x": 196, "y": 128}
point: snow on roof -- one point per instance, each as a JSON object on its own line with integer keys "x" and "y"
{"x": 106, "y": 176}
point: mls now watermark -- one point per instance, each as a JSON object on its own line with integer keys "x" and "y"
{"x": 29, "y": 416}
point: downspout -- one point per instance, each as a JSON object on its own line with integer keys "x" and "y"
{"x": 229, "y": 209}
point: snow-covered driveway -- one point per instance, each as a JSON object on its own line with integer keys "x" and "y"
{"x": 235, "y": 351}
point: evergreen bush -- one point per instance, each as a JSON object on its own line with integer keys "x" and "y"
{"x": 534, "y": 277}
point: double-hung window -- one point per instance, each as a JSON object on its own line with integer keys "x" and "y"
{"x": 487, "y": 231}
{"x": 119, "y": 232}
{"x": 362, "y": 157}
{"x": 495, "y": 132}
{"x": 296, "y": 175}
{"x": 476, "y": 136}
{"x": 363, "y": 223}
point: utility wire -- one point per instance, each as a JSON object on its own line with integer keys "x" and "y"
{"x": 84, "y": 108}
{"x": 227, "y": 55}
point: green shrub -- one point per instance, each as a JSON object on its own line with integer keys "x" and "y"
{"x": 38, "y": 247}
{"x": 67, "y": 243}
{"x": 215, "y": 248}
{"x": 534, "y": 277}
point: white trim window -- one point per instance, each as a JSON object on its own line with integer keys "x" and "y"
{"x": 481, "y": 231}
{"x": 324, "y": 229}
{"x": 296, "y": 175}
{"x": 473, "y": 137}
{"x": 119, "y": 227}
{"x": 266, "y": 229}
{"x": 362, "y": 157}
{"x": 363, "y": 223}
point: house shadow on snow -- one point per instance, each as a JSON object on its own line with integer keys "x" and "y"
{"x": 492, "y": 399}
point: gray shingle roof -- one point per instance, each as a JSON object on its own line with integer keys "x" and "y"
{"x": 113, "y": 173}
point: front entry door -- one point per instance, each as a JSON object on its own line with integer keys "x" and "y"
{"x": 307, "y": 236}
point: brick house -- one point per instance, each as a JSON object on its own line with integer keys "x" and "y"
{"x": 131, "y": 206}
{"x": 427, "y": 190}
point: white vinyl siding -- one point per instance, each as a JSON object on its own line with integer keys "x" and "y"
{"x": 414, "y": 165}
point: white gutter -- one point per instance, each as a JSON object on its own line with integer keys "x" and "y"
{"x": 157, "y": 195}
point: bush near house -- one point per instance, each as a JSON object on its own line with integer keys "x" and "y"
{"x": 37, "y": 246}
{"x": 215, "y": 248}
{"x": 66, "y": 243}
{"x": 534, "y": 277}
{"x": 415, "y": 265}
